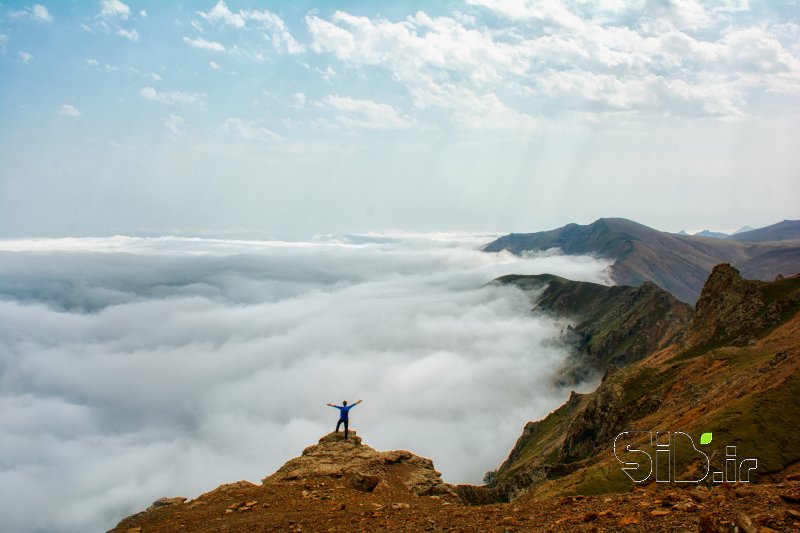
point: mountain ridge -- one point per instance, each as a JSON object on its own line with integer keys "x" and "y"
{"x": 616, "y": 324}
{"x": 712, "y": 234}
{"x": 677, "y": 263}
{"x": 780, "y": 231}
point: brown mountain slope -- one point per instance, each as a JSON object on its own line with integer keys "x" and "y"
{"x": 734, "y": 375}
{"x": 677, "y": 263}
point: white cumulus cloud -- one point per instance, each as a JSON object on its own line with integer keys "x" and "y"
{"x": 199, "y": 42}
{"x": 114, "y": 9}
{"x": 172, "y": 97}
{"x": 174, "y": 124}
{"x": 637, "y": 58}
{"x": 131, "y": 35}
{"x": 365, "y": 113}
{"x": 248, "y": 130}
{"x": 41, "y": 13}
{"x": 275, "y": 31}
{"x": 37, "y": 12}
{"x": 68, "y": 110}
{"x": 273, "y": 26}
{"x": 221, "y": 13}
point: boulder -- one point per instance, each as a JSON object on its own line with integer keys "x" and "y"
{"x": 164, "y": 502}
{"x": 363, "y": 482}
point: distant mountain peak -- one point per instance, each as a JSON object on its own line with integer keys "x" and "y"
{"x": 712, "y": 234}
{"x": 786, "y": 230}
{"x": 675, "y": 262}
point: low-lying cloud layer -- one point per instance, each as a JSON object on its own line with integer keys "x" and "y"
{"x": 137, "y": 368}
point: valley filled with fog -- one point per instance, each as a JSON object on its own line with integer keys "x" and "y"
{"x": 135, "y": 368}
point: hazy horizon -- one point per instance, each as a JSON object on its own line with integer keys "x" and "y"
{"x": 480, "y": 237}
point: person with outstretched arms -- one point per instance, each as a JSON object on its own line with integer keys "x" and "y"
{"x": 344, "y": 409}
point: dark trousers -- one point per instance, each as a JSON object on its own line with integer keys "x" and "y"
{"x": 339, "y": 423}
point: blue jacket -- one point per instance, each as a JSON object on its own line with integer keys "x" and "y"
{"x": 343, "y": 410}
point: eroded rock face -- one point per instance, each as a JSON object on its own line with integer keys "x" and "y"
{"x": 728, "y": 309}
{"x": 334, "y": 456}
{"x": 603, "y": 417}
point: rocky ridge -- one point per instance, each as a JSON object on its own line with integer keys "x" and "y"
{"x": 610, "y": 325}
{"x": 734, "y": 310}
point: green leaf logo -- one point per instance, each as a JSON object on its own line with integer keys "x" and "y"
{"x": 705, "y": 438}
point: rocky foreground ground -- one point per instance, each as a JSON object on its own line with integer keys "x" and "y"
{"x": 339, "y": 485}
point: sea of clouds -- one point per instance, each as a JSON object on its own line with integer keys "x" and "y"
{"x": 135, "y": 368}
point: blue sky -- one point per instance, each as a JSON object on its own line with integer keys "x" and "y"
{"x": 296, "y": 118}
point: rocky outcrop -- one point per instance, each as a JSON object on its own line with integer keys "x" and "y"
{"x": 164, "y": 502}
{"x": 727, "y": 308}
{"x": 331, "y": 479}
{"x": 365, "y": 467}
{"x": 733, "y": 310}
{"x": 602, "y": 417}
